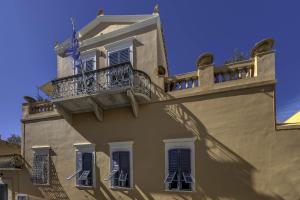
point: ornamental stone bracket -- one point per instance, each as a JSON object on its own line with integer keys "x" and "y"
{"x": 133, "y": 102}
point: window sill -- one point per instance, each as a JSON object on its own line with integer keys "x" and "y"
{"x": 42, "y": 185}
{"x": 82, "y": 187}
{"x": 121, "y": 188}
{"x": 180, "y": 191}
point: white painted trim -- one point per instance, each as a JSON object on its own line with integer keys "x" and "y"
{"x": 119, "y": 43}
{"x": 122, "y": 146}
{"x": 177, "y": 140}
{"x": 86, "y": 148}
{"x": 22, "y": 195}
{"x": 83, "y": 145}
{"x": 180, "y": 143}
{"x": 41, "y": 147}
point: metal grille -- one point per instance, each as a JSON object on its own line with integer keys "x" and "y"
{"x": 114, "y": 77}
{"x": 40, "y": 169}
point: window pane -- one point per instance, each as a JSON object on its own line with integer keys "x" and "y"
{"x": 121, "y": 162}
{"x": 119, "y": 57}
{"x": 113, "y": 58}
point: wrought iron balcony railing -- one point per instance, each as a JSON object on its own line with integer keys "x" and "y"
{"x": 111, "y": 78}
{"x": 12, "y": 161}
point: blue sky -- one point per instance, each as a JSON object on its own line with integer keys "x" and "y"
{"x": 30, "y": 28}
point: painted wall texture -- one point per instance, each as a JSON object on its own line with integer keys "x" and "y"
{"x": 240, "y": 151}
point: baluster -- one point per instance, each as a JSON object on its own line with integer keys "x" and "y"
{"x": 187, "y": 83}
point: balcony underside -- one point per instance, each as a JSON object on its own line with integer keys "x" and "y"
{"x": 105, "y": 100}
{"x": 121, "y": 97}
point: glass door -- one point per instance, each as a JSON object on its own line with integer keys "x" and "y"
{"x": 3, "y": 192}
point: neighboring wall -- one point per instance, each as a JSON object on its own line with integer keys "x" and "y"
{"x": 239, "y": 153}
{"x": 7, "y": 148}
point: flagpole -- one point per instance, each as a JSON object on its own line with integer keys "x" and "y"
{"x": 79, "y": 58}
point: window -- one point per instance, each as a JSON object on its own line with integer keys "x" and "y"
{"x": 85, "y": 165}
{"x": 120, "y": 52}
{"x": 88, "y": 64}
{"x": 3, "y": 192}
{"x": 21, "y": 197}
{"x": 40, "y": 165}
{"x": 180, "y": 163}
{"x": 121, "y": 170}
{"x": 118, "y": 57}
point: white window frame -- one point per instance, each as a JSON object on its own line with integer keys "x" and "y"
{"x": 86, "y": 148}
{"x": 120, "y": 45}
{"x": 122, "y": 146}
{"x": 21, "y": 195}
{"x": 86, "y": 56}
{"x": 43, "y": 150}
{"x": 187, "y": 143}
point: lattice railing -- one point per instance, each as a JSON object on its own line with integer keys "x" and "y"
{"x": 110, "y": 78}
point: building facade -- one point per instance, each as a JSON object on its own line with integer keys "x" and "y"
{"x": 126, "y": 129}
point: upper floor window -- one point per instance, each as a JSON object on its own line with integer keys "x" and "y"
{"x": 118, "y": 57}
{"x": 85, "y": 165}
{"x": 41, "y": 165}
{"x": 121, "y": 165}
{"x": 88, "y": 62}
{"x": 120, "y": 52}
{"x": 180, "y": 164}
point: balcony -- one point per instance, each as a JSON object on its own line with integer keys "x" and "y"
{"x": 11, "y": 162}
{"x": 115, "y": 86}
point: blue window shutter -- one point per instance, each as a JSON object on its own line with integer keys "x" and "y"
{"x": 113, "y": 58}
{"x": 173, "y": 160}
{"x": 124, "y": 55}
{"x": 185, "y": 160}
{"x": 125, "y": 166}
{"x": 119, "y": 57}
{"x": 78, "y": 166}
{"x": 87, "y": 165}
{"x": 115, "y": 159}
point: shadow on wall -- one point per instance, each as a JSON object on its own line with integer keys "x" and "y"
{"x": 220, "y": 172}
{"x": 54, "y": 191}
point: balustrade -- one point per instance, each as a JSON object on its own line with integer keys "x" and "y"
{"x": 181, "y": 82}
{"x": 110, "y": 78}
{"x": 229, "y": 73}
{"x": 40, "y": 107}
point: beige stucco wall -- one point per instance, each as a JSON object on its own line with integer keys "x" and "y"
{"x": 239, "y": 155}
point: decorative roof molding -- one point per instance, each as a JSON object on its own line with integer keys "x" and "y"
{"x": 112, "y": 18}
{"x": 131, "y": 28}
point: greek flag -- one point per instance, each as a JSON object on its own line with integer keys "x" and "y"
{"x": 73, "y": 49}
